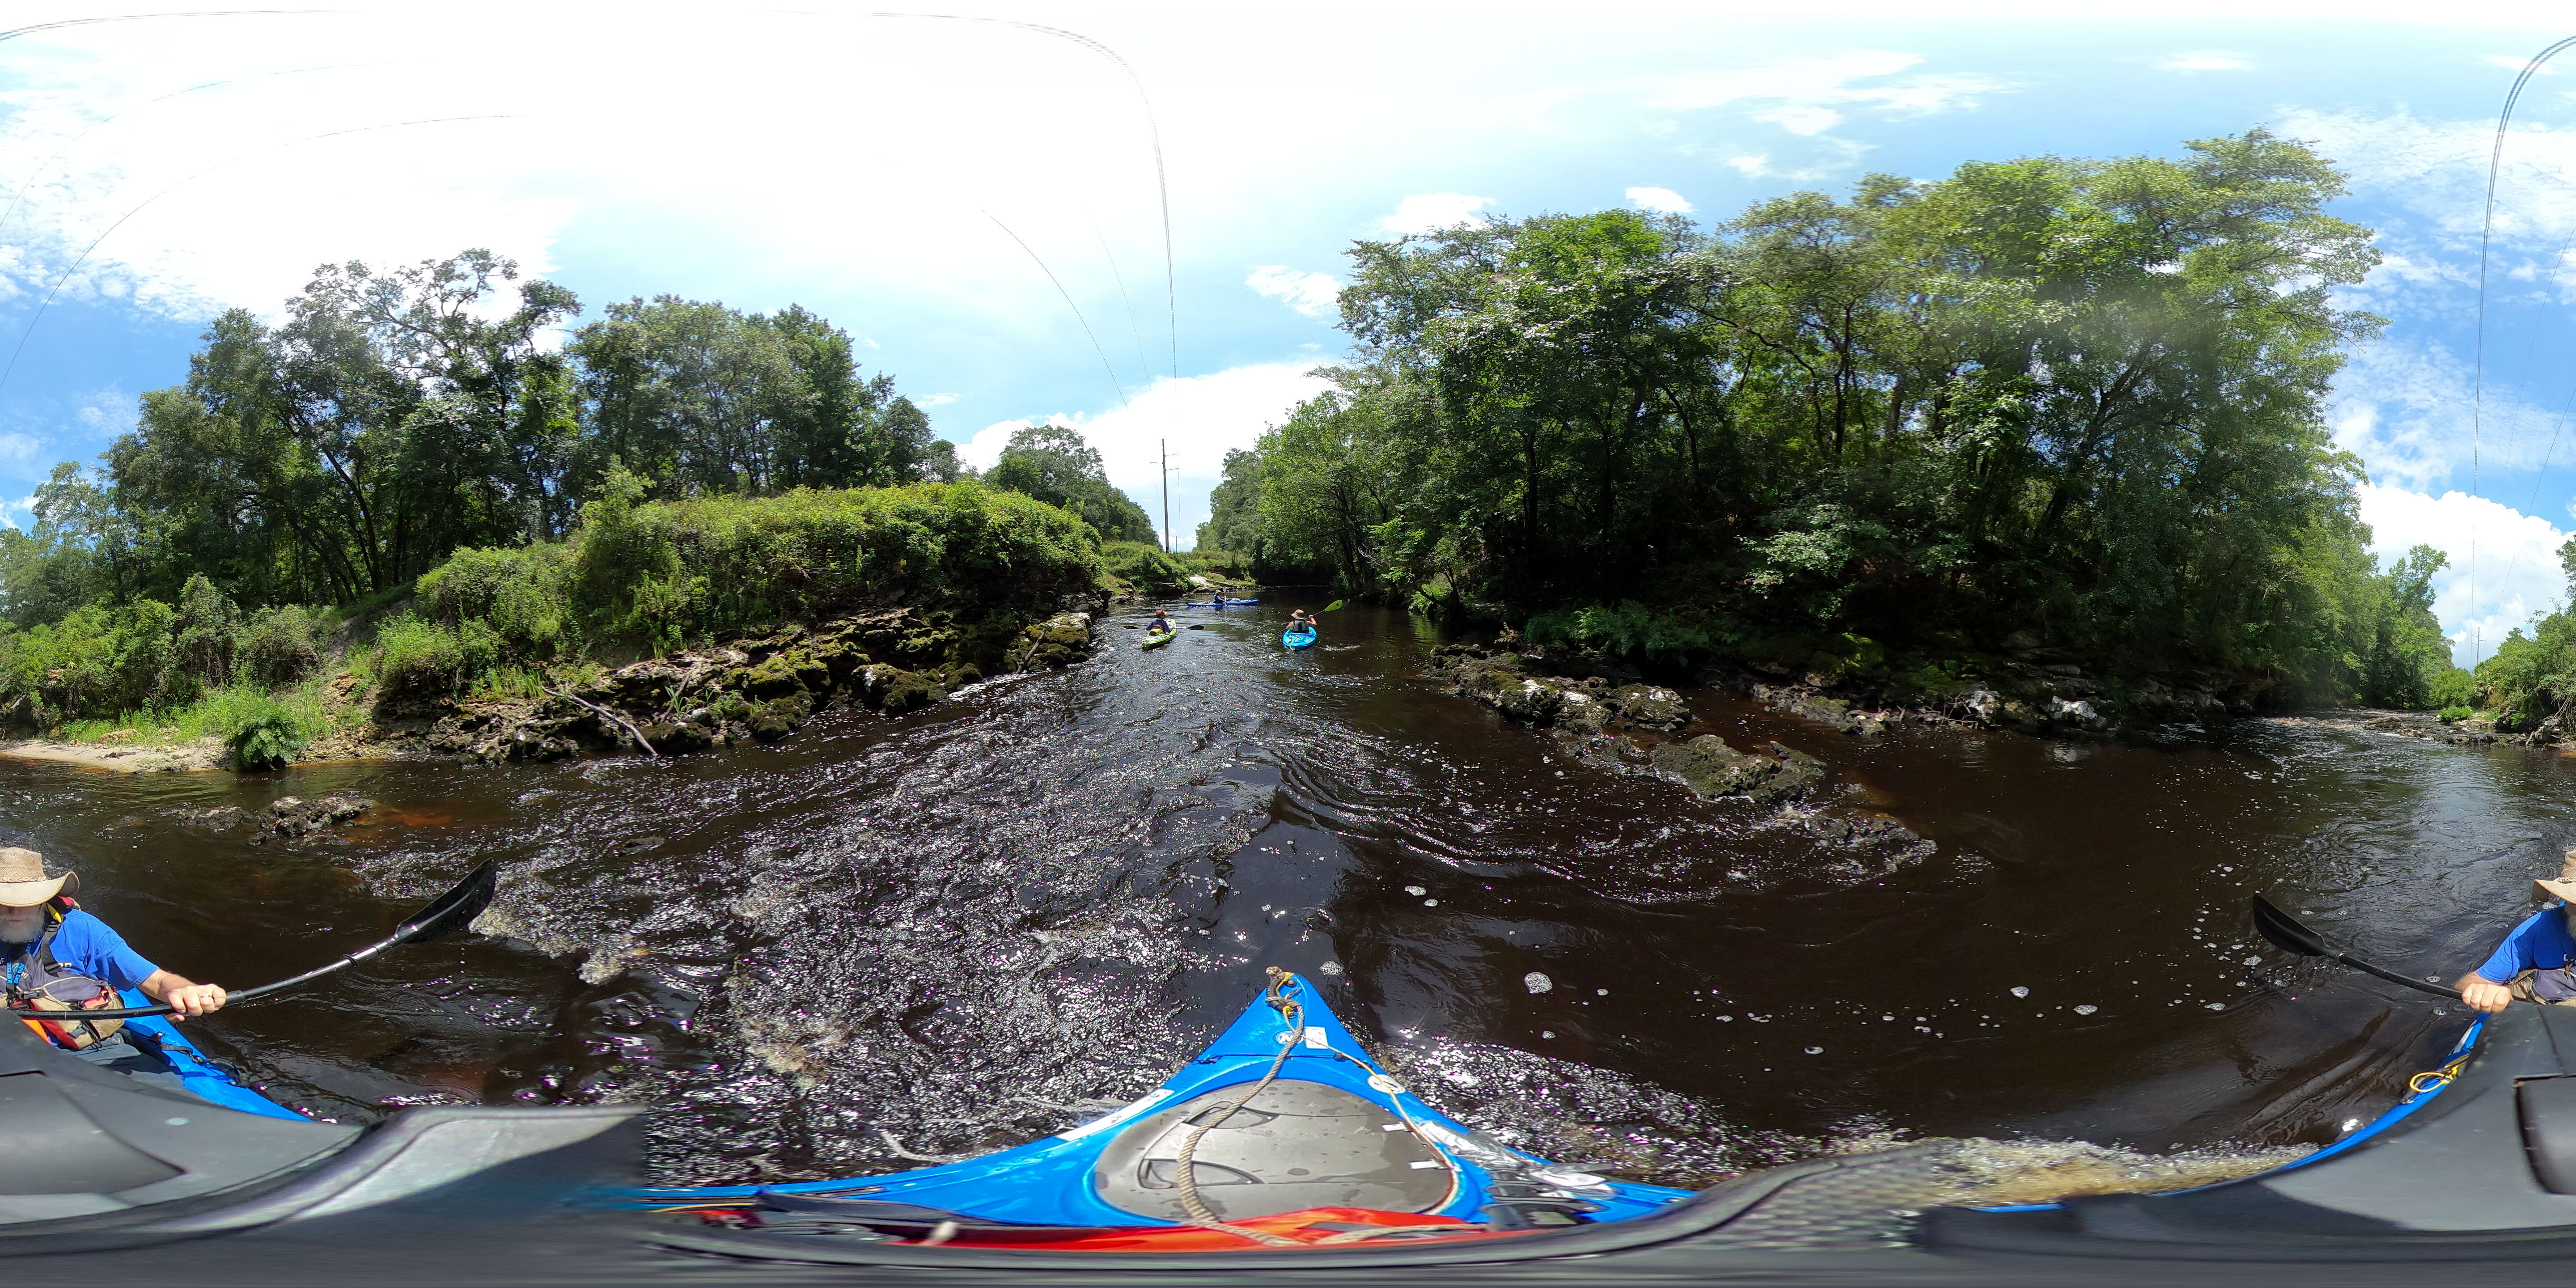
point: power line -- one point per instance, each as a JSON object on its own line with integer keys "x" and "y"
{"x": 2478, "y": 371}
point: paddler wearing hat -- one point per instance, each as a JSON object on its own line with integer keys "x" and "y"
{"x": 2537, "y": 960}
{"x": 56, "y": 960}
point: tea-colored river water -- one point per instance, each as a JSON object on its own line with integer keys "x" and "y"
{"x": 955, "y": 930}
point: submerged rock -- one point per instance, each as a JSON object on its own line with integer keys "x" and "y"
{"x": 291, "y": 818}
{"x": 1519, "y": 686}
{"x": 1709, "y": 767}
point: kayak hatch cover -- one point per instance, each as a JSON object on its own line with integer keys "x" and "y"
{"x": 1333, "y": 1131}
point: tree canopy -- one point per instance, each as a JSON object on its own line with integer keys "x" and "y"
{"x": 2077, "y": 397}
{"x": 393, "y": 417}
{"x": 1053, "y": 464}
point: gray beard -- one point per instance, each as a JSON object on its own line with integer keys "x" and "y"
{"x": 20, "y": 931}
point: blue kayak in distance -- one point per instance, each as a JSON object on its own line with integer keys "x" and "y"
{"x": 1230, "y": 603}
{"x": 1297, "y": 639}
{"x": 1318, "y": 1125}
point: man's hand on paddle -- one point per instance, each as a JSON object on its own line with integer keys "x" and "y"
{"x": 187, "y": 998}
{"x": 2483, "y": 994}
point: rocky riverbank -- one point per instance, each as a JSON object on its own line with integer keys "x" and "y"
{"x": 750, "y": 690}
{"x": 755, "y": 690}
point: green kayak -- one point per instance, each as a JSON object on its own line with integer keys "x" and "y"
{"x": 1157, "y": 639}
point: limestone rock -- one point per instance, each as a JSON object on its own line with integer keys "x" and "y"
{"x": 1657, "y": 710}
{"x": 291, "y": 818}
{"x": 1059, "y": 641}
{"x": 1709, "y": 767}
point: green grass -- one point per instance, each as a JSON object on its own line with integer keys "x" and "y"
{"x": 280, "y": 724}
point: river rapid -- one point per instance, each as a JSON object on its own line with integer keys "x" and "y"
{"x": 968, "y": 927}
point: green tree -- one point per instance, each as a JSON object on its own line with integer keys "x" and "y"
{"x": 713, "y": 401}
{"x": 1053, "y": 464}
{"x": 1234, "y": 508}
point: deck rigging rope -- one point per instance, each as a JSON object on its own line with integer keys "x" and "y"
{"x": 1292, "y": 1017}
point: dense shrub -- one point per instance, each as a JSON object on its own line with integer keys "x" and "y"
{"x": 519, "y": 594}
{"x": 651, "y": 574}
{"x": 1143, "y": 564}
{"x": 418, "y": 661}
{"x": 262, "y": 731}
{"x": 1628, "y": 630}
{"x": 203, "y": 635}
{"x": 278, "y": 646}
{"x": 97, "y": 660}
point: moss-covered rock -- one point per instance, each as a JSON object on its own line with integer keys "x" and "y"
{"x": 910, "y": 691}
{"x": 779, "y": 717}
{"x": 1647, "y": 707}
{"x": 1709, "y": 767}
{"x": 1059, "y": 641}
{"x": 1582, "y": 712}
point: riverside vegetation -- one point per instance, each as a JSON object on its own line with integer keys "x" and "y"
{"x": 397, "y": 500}
{"x": 2050, "y": 426}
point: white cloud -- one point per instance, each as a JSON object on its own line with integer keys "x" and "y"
{"x": 928, "y": 401}
{"x": 107, "y": 412}
{"x": 2207, "y": 60}
{"x": 1833, "y": 156}
{"x": 2516, "y": 572}
{"x": 1313, "y": 294}
{"x": 2438, "y": 170}
{"x": 1663, "y": 201}
{"x": 1201, "y": 417}
{"x": 1428, "y": 211}
{"x": 396, "y": 152}
{"x": 1821, "y": 81}
{"x": 2406, "y": 411}
{"x": 1801, "y": 118}
{"x": 2516, "y": 62}
{"x": 20, "y": 449}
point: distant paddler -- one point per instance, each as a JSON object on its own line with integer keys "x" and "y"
{"x": 1299, "y": 621}
{"x": 1161, "y": 625}
{"x": 2537, "y": 960}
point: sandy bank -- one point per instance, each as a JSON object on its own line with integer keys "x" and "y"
{"x": 205, "y": 753}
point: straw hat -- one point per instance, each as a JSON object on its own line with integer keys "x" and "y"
{"x": 2563, "y": 889}
{"x": 23, "y": 883}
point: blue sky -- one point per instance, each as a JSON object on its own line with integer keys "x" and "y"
{"x": 886, "y": 171}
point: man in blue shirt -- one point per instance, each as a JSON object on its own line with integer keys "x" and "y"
{"x": 2537, "y": 960}
{"x": 43, "y": 939}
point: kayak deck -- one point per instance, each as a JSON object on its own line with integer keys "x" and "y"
{"x": 1328, "y": 1129}
{"x": 203, "y": 1078}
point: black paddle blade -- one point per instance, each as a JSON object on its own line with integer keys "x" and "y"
{"x": 449, "y": 912}
{"x": 2285, "y": 932}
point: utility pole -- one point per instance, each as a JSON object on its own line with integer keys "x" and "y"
{"x": 1167, "y": 494}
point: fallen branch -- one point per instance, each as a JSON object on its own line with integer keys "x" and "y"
{"x": 604, "y": 711}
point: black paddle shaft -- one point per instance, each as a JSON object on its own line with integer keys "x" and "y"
{"x": 440, "y": 916}
{"x": 2286, "y": 934}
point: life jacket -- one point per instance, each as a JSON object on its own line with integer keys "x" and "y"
{"x": 37, "y": 982}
